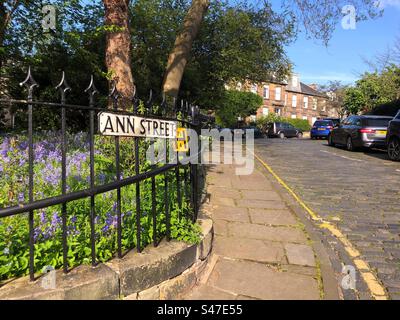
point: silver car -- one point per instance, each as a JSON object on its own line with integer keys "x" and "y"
{"x": 360, "y": 132}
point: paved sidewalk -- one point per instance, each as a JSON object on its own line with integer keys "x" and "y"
{"x": 260, "y": 249}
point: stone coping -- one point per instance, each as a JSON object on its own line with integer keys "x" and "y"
{"x": 164, "y": 272}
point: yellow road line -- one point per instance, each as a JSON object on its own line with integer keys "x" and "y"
{"x": 374, "y": 286}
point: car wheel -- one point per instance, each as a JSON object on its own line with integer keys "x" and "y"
{"x": 394, "y": 150}
{"x": 349, "y": 144}
{"x": 281, "y": 135}
{"x": 330, "y": 141}
{"x": 299, "y": 135}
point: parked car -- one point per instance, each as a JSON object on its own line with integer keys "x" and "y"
{"x": 335, "y": 121}
{"x": 360, "y": 132}
{"x": 393, "y": 138}
{"x": 257, "y": 132}
{"x": 321, "y": 129}
{"x": 283, "y": 130}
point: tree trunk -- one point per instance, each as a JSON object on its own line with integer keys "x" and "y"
{"x": 118, "y": 48}
{"x": 180, "y": 54}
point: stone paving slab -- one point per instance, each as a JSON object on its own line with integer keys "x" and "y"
{"x": 251, "y": 203}
{"x": 256, "y": 231}
{"x": 231, "y": 214}
{"x": 204, "y": 292}
{"x": 260, "y": 195}
{"x": 255, "y": 234}
{"x": 257, "y": 280}
{"x": 221, "y": 227}
{"x": 271, "y": 217}
{"x": 217, "y": 192}
{"x": 300, "y": 254}
{"x": 249, "y": 249}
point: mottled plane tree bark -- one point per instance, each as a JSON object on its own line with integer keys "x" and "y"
{"x": 180, "y": 53}
{"x": 118, "y": 48}
{"x": 318, "y": 17}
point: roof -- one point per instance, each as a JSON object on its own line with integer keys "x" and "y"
{"x": 305, "y": 89}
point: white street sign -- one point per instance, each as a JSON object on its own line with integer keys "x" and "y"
{"x": 112, "y": 124}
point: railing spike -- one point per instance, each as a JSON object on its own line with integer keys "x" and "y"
{"x": 91, "y": 89}
{"x": 114, "y": 93}
{"x": 163, "y": 101}
{"x": 63, "y": 85}
{"x": 150, "y": 101}
{"x": 29, "y": 81}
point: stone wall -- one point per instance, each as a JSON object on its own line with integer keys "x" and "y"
{"x": 165, "y": 272}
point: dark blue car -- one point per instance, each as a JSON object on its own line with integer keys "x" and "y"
{"x": 321, "y": 129}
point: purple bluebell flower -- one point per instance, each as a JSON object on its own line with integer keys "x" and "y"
{"x": 42, "y": 217}
{"x": 21, "y": 197}
{"x": 102, "y": 178}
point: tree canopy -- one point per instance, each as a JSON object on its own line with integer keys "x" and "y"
{"x": 241, "y": 41}
{"x": 373, "y": 89}
{"x": 237, "y": 104}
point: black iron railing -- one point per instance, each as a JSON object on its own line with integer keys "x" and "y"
{"x": 185, "y": 174}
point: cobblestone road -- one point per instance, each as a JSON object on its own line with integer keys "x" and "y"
{"x": 359, "y": 191}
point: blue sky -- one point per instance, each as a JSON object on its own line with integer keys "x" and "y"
{"x": 344, "y": 58}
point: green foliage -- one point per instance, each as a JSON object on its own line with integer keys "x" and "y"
{"x": 372, "y": 90}
{"x": 354, "y": 100}
{"x": 301, "y": 124}
{"x": 237, "y": 104}
{"x": 236, "y": 41}
{"x": 14, "y": 234}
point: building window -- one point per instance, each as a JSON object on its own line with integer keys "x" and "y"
{"x": 266, "y": 92}
{"x": 265, "y": 111}
{"x": 293, "y": 116}
{"x": 277, "y": 111}
{"x": 294, "y": 101}
{"x": 304, "y": 117}
{"x": 315, "y": 103}
{"x": 305, "y": 100}
{"x": 254, "y": 88}
{"x": 278, "y": 91}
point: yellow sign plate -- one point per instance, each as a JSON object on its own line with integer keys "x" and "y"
{"x": 182, "y": 141}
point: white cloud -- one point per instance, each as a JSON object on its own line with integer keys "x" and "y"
{"x": 384, "y": 4}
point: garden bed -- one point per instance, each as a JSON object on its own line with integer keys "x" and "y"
{"x": 14, "y": 230}
{"x": 165, "y": 272}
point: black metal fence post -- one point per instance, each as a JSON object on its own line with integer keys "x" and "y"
{"x": 166, "y": 195}
{"x": 115, "y": 95}
{"x": 92, "y": 91}
{"x": 185, "y": 116}
{"x": 137, "y": 172}
{"x": 63, "y": 88}
{"x": 177, "y": 170}
{"x": 30, "y": 84}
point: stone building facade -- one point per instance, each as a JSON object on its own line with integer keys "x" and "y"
{"x": 292, "y": 99}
